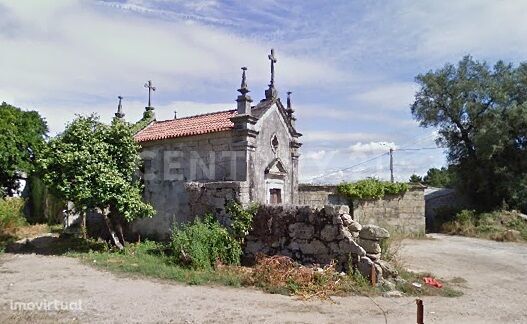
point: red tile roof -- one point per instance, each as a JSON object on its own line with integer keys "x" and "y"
{"x": 187, "y": 126}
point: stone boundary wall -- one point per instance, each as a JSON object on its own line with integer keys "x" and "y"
{"x": 319, "y": 195}
{"x": 307, "y": 235}
{"x": 404, "y": 213}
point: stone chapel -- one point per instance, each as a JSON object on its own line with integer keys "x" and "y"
{"x": 198, "y": 164}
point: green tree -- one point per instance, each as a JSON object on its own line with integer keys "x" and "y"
{"x": 414, "y": 178}
{"x": 22, "y": 133}
{"x": 481, "y": 116}
{"x": 440, "y": 178}
{"x": 94, "y": 166}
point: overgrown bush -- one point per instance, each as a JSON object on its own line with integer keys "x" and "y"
{"x": 497, "y": 225}
{"x": 371, "y": 189}
{"x": 11, "y": 216}
{"x": 241, "y": 219}
{"x": 204, "y": 242}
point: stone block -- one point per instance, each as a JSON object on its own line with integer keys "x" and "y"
{"x": 354, "y": 227}
{"x": 346, "y": 219}
{"x": 301, "y": 231}
{"x": 313, "y": 247}
{"x": 336, "y": 209}
{"x": 370, "y": 246}
{"x": 348, "y": 245}
{"x": 373, "y": 232}
{"x": 329, "y": 233}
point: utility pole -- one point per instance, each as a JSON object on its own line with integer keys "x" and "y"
{"x": 391, "y": 164}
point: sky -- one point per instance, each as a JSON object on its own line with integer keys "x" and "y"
{"x": 350, "y": 65}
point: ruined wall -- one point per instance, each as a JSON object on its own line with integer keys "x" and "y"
{"x": 317, "y": 236}
{"x": 404, "y": 213}
{"x": 213, "y": 197}
{"x": 308, "y": 235}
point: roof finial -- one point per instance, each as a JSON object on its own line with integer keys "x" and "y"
{"x": 150, "y": 89}
{"x": 244, "y": 100}
{"x": 175, "y": 114}
{"x": 271, "y": 92}
{"x": 243, "y": 87}
{"x": 289, "y": 108}
{"x": 119, "y": 113}
{"x": 273, "y": 60}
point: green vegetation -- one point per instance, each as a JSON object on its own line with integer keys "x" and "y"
{"x": 94, "y": 166}
{"x": 22, "y": 134}
{"x": 371, "y": 189}
{"x": 481, "y": 116}
{"x": 498, "y": 225}
{"x": 11, "y": 218}
{"x": 204, "y": 242}
{"x": 241, "y": 219}
{"x": 439, "y": 178}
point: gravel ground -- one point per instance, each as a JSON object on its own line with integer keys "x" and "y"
{"x": 495, "y": 292}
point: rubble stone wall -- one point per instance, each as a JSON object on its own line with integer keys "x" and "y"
{"x": 306, "y": 234}
{"x": 213, "y": 197}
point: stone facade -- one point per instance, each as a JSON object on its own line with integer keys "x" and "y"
{"x": 315, "y": 236}
{"x": 405, "y": 213}
{"x": 254, "y": 158}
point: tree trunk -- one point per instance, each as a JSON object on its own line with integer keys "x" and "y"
{"x": 113, "y": 235}
{"x": 84, "y": 229}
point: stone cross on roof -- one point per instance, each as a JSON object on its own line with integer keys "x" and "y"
{"x": 119, "y": 113}
{"x": 273, "y": 60}
{"x": 150, "y": 89}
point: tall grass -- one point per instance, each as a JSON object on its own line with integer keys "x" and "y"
{"x": 11, "y": 215}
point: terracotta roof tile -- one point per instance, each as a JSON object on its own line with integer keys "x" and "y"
{"x": 187, "y": 126}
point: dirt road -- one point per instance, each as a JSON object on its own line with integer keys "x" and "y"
{"x": 496, "y": 292}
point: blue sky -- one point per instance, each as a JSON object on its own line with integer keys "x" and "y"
{"x": 350, "y": 64}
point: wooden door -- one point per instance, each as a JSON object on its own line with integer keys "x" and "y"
{"x": 275, "y": 196}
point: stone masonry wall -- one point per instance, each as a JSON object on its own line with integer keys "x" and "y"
{"x": 317, "y": 236}
{"x": 213, "y": 197}
{"x": 318, "y": 196}
{"x": 404, "y": 213}
{"x": 308, "y": 235}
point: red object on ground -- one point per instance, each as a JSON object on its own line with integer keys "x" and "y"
{"x": 433, "y": 282}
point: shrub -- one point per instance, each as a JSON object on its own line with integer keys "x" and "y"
{"x": 241, "y": 219}
{"x": 204, "y": 242}
{"x": 371, "y": 189}
{"x": 495, "y": 225}
{"x": 11, "y": 216}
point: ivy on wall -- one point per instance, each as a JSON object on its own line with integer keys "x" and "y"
{"x": 369, "y": 189}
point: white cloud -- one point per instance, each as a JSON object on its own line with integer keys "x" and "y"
{"x": 371, "y": 147}
{"x": 395, "y": 96}
{"x": 314, "y": 155}
{"x": 58, "y": 116}
{"x": 317, "y": 136}
{"x": 77, "y": 49}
